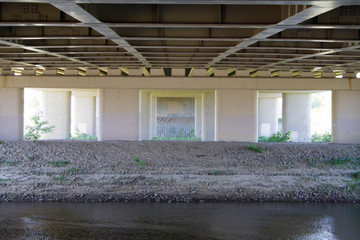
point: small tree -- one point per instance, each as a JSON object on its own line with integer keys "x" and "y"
{"x": 38, "y": 127}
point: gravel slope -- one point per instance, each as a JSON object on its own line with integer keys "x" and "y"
{"x": 178, "y": 171}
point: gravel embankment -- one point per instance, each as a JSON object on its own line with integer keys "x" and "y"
{"x": 178, "y": 171}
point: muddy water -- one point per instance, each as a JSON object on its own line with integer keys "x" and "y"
{"x": 179, "y": 221}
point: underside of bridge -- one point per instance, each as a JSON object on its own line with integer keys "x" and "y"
{"x": 222, "y": 54}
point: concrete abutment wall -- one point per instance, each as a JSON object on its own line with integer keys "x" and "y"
{"x": 119, "y": 111}
{"x": 346, "y": 116}
{"x": 236, "y": 115}
{"x": 11, "y": 114}
{"x": 228, "y": 107}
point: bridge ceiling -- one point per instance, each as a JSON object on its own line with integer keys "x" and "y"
{"x": 234, "y": 34}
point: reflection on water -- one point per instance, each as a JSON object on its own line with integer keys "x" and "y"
{"x": 179, "y": 221}
{"x": 323, "y": 229}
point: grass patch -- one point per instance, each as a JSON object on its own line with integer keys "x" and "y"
{"x": 139, "y": 162}
{"x": 216, "y": 173}
{"x": 311, "y": 162}
{"x": 338, "y": 161}
{"x": 254, "y": 148}
{"x": 82, "y": 136}
{"x": 9, "y": 163}
{"x": 327, "y": 188}
{"x": 58, "y": 163}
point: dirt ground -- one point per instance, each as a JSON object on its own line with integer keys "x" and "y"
{"x": 178, "y": 171}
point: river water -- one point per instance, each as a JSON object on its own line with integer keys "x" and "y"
{"x": 179, "y": 221}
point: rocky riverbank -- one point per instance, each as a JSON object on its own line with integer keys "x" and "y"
{"x": 178, "y": 171}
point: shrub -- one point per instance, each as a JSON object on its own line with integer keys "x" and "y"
{"x": 38, "y": 128}
{"x": 254, "y": 148}
{"x": 276, "y": 137}
{"x": 326, "y": 137}
{"x": 338, "y": 161}
{"x": 82, "y": 136}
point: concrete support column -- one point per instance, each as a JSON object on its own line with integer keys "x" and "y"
{"x": 153, "y": 113}
{"x": 11, "y": 114}
{"x": 119, "y": 114}
{"x": 268, "y": 113}
{"x": 198, "y": 116}
{"x": 145, "y": 115}
{"x": 297, "y": 116}
{"x": 84, "y": 112}
{"x": 56, "y": 107}
{"x": 208, "y": 116}
{"x": 346, "y": 116}
{"x": 236, "y": 115}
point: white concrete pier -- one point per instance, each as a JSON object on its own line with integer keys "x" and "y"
{"x": 11, "y": 114}
{"x": 297, "y": 116}
{"x": 346, "y": 116}
{"x": 268, "y": 113}
{"x": 83, "y": 116}
{"x": 56, "y": 107}
{"x": 236, "y": 115}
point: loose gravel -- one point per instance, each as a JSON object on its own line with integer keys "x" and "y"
{"x": 158, "y": 171}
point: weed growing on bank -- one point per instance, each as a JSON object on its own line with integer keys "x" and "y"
{"x": 9, "y": 163}
{"x": 326, "y": 137}
{"x": 254, "y": 148}
{"x": 82, "y": 136}
{"x": 139, "y": 162}
{"x": 338, "y": 161}
{"x": 311, "y": 162}
{"x": 354, "y": 183}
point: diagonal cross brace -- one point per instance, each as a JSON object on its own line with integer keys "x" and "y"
{"x": 279, "y": 27}
{"x": 77, "y": 12}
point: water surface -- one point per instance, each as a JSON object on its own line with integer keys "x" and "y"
{"x": 179, "y": 221}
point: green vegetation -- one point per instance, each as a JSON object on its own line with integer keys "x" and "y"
{"x": 326, "y": 137}
{"x": 338, "y": 161}
{"x": 353, "y": 185}
{"x": 311, "y": 162}
{"x": 9, "y": 163}
{"x": 58, "y": 163}
{"x": 276, "y": 137}
{"x": 3, "y": 181}
{"x": 254, "y": 148}
{"x": 216, "y": 173}
{"x": 139, "y": 162}
{"x": 38, "y": 128}
{"x": 327, "y": 188}
{"x": 82, "y": 136}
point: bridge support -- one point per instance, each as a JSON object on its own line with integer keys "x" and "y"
{"x": 297, "y": 116}
{"x": 236, "y": 115}
{"x": 84, "y": 112}
{"x": 119, "y": 114}
{"x": 56, "y": 106}
{"x": 11, "y": 114}
{"x": 268, "y": 117}
{"x": 346, "y": 116}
